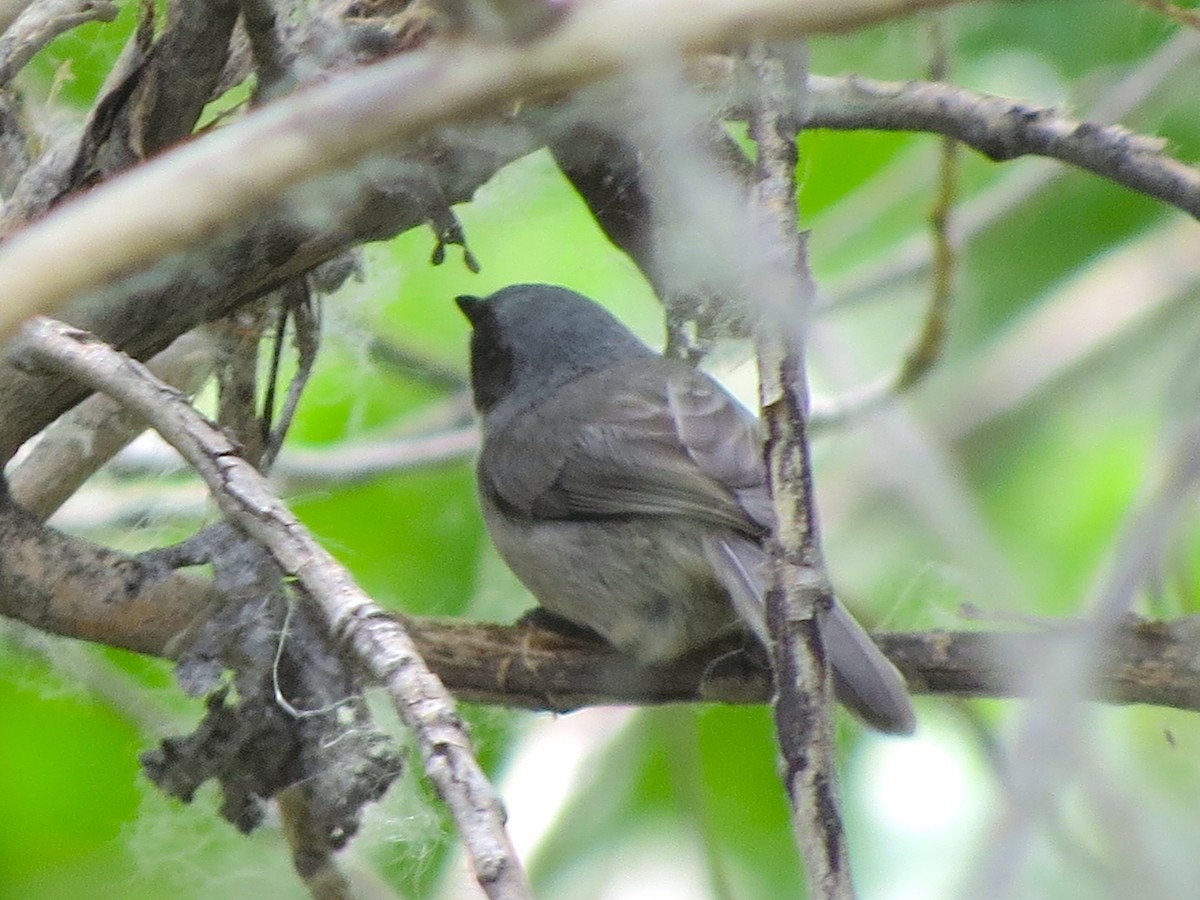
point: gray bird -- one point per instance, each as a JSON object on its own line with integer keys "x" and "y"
{"x": 627, "y": 491}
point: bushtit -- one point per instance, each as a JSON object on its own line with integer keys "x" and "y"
{"x": 627, "y": 491}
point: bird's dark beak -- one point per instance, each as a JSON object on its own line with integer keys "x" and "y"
{"x": 470, "y": 306}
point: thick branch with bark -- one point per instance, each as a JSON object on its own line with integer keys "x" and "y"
{"x": 117, "y": 600}
{"x": 66, "y": 585}
{"x": 144, "y": 317}
{"x": 525, "y": 667}
{"x": 1146, "y": 662}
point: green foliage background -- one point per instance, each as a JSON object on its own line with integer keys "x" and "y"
{"x": 1048, "y": 482}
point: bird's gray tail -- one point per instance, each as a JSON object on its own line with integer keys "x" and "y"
{"x": 864, "y": 680}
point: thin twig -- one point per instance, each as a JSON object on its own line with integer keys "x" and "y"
{"x": 302, "y": 309}
{"x": 341, "y": 463}
{"x": 1102, "y": 309}
{"x": 408, "y": 362}
{"x": 361, "y": 462}
{"x": 272, "y": 60}
{"x": 1051, "y": 741}
{"x": 378, "y": 643}
{"x": 312, "y": 852}
{"x": 927, "y": 348}
{"x": 239, "y": 338}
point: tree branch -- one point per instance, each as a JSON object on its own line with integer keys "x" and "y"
{"x": 1187, "y": 17}
{"x": 1004, "y": 129}
{"x": 926, "y": 349}
{"x": 144, "y": 316}
{"x": 69, "y": 586}
{"x": 525, "y": 667}
{"x": 379, "y": 643}
{"x": 800, "y": 591}
{"x": 1146, "y": 662}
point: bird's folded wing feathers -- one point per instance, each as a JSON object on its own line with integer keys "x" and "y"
{"x": 673, "y": 445}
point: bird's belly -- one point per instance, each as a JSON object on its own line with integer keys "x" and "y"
{"x": 641, "y": 583}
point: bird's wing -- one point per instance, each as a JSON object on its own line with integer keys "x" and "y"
{"x": 658, "y": 440}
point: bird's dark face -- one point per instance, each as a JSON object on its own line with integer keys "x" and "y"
{"x": 492, "y": 358}
{"x": 530, "y": 337}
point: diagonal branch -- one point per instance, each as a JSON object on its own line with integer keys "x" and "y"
{"x": 1187, "y": 17}
{"x": 235, "y": 171}
{"x": 379, "y": 644}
